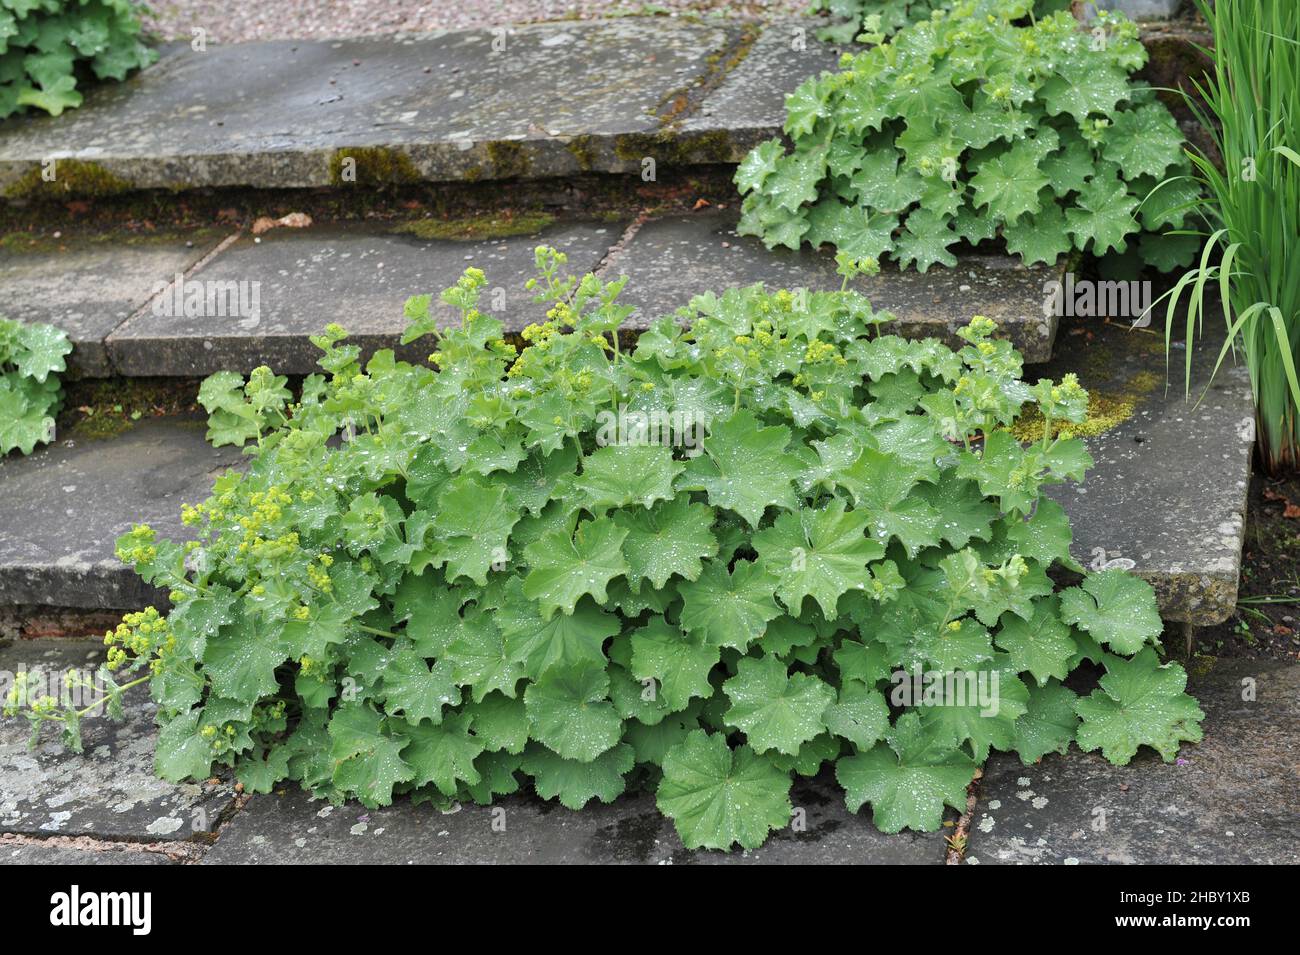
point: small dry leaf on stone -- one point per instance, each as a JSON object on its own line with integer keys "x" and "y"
{"x": 294, "y": 220}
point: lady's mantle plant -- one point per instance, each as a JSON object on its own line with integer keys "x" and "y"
{"x": 968, "y": 126}
{"x": 446, "y": 582}
{"x": 30, "y": 393}
{"x": 47, "y": 47}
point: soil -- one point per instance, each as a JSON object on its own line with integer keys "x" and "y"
{"x": 1267, "y": 620}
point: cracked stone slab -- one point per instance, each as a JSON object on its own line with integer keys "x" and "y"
{"x": 90, "y": 288}
{"x": 290, "y": 828}
{"x": 1229, "y": 800}
{"x": 749, "y": 104}
{"x": 63, "y": 506}
{"x": 671, "y": 259}
{"x": 1167, "y": 498}
{"x": 36, "y": 854}
{"x": 538, "y": 100}
{"x": 301, "y": 280}
{"x": 109, "y": 790}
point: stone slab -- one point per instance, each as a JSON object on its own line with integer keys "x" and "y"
{"x": 63, "y": 506}
{"x": 1167, "y": 498}
{"x": 90, "y": 288}
{"x": 289, "y": 828}
{"x": 1135, "y": 9}
{"x": 29, "y": 854}
{"x": 671, "y": 259}
{"x": 748, "y": 106}
{"x": 109, "y": 790}
{"x": 1232, "y": 800}
{"x": 539, "y": 100}
{"x": 358, "y": 277}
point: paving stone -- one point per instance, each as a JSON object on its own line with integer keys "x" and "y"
{"x": 1231, "y": 801}
{"x": 89, "y": 288}
{"x": 1136, "y": 9}
{"x": 748, "y": 106}
{"x": 62, "y": 507}
{"x": 1167, "y": 498}
{"x": 110, "y": 789}
{"x": 291, "y": 829}
{"x": 539, "y": 100}
{"x": 11, "y": 854}
{"x": 301, "y": 280}
{"x": 673, "y": 258}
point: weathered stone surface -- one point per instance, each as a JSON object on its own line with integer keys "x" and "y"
{"x": 88, "y": 289}
{"x": 1167, "y": 497}
{"x": 1232, "y": 798}
{"x": 291, "y": 829}
{"x": 29, "y": 854}
{"x": 110, "y": 789}
{"x": 360, "y": 278}
{"x": 748, "y": 105}
{"x": 1136, "y": 9}
{"x": 671, "y": 259}
{"x": 540, "y": 100}
{"x": 62, "y": 507}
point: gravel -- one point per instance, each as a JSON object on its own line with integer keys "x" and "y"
{"x": 232, "y": 21}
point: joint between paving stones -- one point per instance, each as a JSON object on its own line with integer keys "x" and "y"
{"x": 615, "y": 251}
{"x": 680, "y": 104}
{"x": 961, "y": 832}
{"x": 184, "y": 852}
{"x": 203, "y": 260}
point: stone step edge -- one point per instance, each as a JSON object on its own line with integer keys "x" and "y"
{"x": 685, "y": 138}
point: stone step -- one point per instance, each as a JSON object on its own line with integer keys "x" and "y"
{"x": 89, "y": 288}
{"x": 305, "y": 279}
{"x": 533, "y": 101}
{"x": 108, "y": 791}
{"x": 672, "y": 258}
{"x": 1167, "y": 497}
{"x": 290, "y": 828}
{"x": 62, "y": 508}
{"x": 1229, "y": 800}
{"x": 299, "y": 280}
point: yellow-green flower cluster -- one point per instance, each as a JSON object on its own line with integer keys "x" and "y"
{"x": 139, "y": 545}
{"x": 138, "y": 636}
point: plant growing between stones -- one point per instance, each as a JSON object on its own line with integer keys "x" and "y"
{"x": 1251, "y": 211}
{"x": 870, "y": 21}
{"x": 973, "y": 125}
{"x": 30, "y": 392}
{"x": 47, "y": 47}
{"x": 444, "y": 582}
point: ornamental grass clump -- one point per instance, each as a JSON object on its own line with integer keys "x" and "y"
{"x": 976, "y": 124}
{"x": 446, "y": 583}
{"x": 1251, "y": 211}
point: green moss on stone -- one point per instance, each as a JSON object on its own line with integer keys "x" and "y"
{"x": 1107, "y": 409}
{"x": 583, "y": 151}
{"x": 107, "y": 407}
{"x": 478, "y": 227}
{"x": 374, "y": 165}
{"x": 673, "y": 149}
{"x": 73, "y": 178}
{"x": 509, "y": 160}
